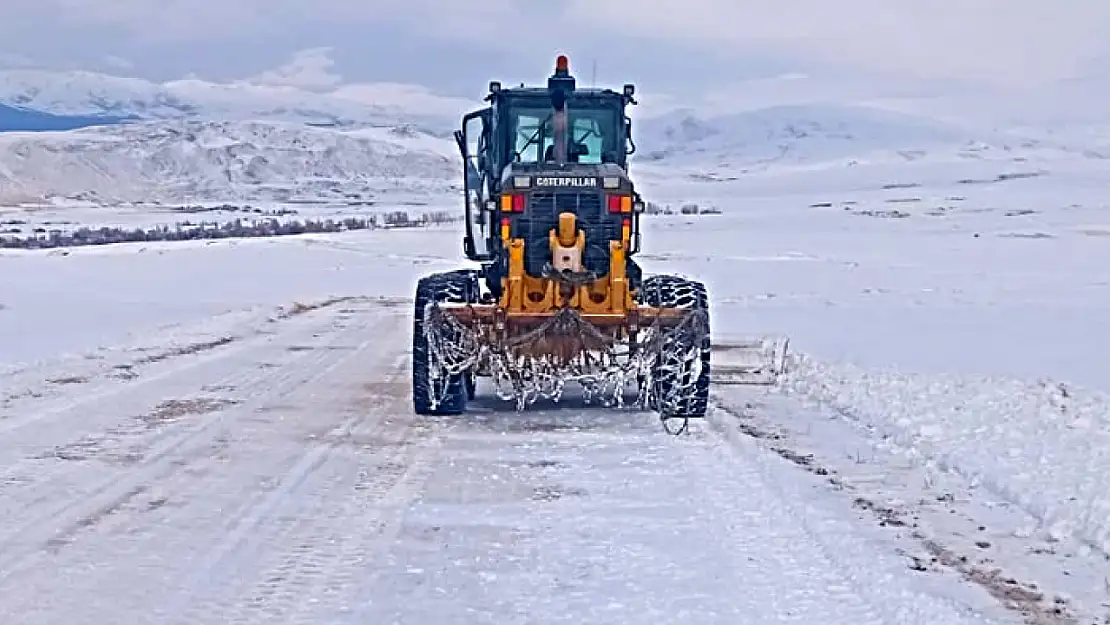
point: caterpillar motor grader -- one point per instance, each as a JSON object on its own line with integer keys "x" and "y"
{"x": 552, "y": 219}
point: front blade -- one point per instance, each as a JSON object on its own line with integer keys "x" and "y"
{"x": 748, "y": 361}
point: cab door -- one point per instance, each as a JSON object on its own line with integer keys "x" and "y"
{"x": 473, "y": 141}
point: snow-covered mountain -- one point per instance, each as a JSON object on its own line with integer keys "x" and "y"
{"x": 195, "y": 160}
{"x": 794, "y": 134}
{"x": 252, "y": 140}
{"x": 96, "y": 94}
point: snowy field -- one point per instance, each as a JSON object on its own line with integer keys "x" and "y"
{"x": 220, "y": 431}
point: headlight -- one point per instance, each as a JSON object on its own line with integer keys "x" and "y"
{"x": 522, "y": 182}
{"x": 611, "y": 182}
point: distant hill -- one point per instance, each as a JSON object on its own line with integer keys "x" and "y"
{"x": 193, "y": 160}
{"x": 791, "y": 134}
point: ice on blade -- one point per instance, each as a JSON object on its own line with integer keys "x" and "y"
{"x": 752, "y": 360}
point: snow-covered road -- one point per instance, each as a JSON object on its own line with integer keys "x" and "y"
{"x": 278, "y": 475}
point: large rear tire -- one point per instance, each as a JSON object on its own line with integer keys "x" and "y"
{"x": 671, "y": 369}
{"x": 457, "y": 287}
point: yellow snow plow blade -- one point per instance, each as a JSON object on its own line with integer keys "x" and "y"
{"x": 759, "y": 360}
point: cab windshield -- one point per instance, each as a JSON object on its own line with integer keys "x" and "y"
{"x": 595, "y": 134}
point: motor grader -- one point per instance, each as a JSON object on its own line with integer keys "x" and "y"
{"x": 553, "y": 221}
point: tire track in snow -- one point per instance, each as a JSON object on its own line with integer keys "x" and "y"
{"x": 299, "y": 566}
{"x": 156, "y": 357}
{"x": 804, "y": 563}
{"x": 556, "y": 516}
{"x": 59, "y": 502}
{"x": 1012, "y": 595}
{"x": 282, "y": 522}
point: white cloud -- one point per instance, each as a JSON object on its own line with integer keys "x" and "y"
{"x": 149, "y": 20}
{"x": 1003, "y": 42}
{"x": 308, "y": 69}
{"x": 414, "y": 99}
{"x": 185, "y": 20}
{"x": 864, "y": 48}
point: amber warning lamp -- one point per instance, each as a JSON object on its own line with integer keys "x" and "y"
{"x": 561, "y": 80}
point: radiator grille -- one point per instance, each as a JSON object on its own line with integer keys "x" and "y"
{"x": 542, "y": 214}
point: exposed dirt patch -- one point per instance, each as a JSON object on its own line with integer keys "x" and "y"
{"x": 174, "y": 410}
{"x": 745, "y": 424}
{"x": 1017, "y": 596}
{"x": 72, "y": 379}
{"x": 551, "y": 427}
{"x": 884, "y": 214}
{"x": 545, "y": 464}
{"x": 123, "y": 372}
{"x": 555, "y": 493}
{"x": 107, "y": 447}
{"x": 887, "y": 516}
{"x": 186, "y": 350}
{"x": 805, "y": 461}
{"x": 300, "y": 308}
{"x": 126, "y": 371}
{"x": 388, "y": 302}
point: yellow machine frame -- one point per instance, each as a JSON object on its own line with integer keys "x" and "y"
{"x": 526, "y": 294}
{"x": 606, "y": 302}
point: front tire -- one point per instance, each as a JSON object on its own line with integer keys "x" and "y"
{"x": 672, "y": 369}
{"x": 457, "y": 287}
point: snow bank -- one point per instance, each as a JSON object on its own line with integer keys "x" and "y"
{"x": 1041, "y": 445}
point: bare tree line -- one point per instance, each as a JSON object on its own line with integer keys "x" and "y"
{"x": 234, "y": 229}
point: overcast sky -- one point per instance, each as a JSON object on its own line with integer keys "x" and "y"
{"x": 864, "y": 48}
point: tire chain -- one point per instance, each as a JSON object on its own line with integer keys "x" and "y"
{"x": 669, "y": 366}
